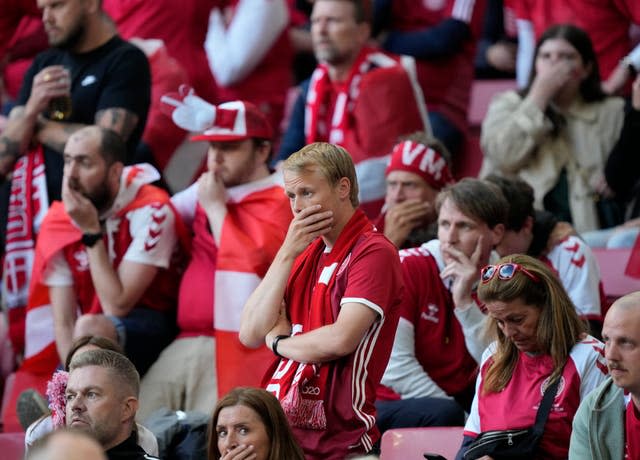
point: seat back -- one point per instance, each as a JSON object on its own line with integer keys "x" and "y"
{"x": 412, "y": 443}
{"x": 12, "y": 446}
{"x": 469, "y": 161}
{"x": 616, "y": 283}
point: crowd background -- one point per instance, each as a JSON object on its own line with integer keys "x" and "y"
{"x": 392, "y": 83}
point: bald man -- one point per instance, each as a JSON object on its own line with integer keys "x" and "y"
{"x": 66, "y": 444}
{"x": 607, "y": 424}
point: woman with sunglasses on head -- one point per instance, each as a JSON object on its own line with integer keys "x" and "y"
{"x": 539, "y": 339}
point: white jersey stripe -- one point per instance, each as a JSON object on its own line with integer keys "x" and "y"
{"x": 361, "y": 361}
{"x": 463, "y": 10}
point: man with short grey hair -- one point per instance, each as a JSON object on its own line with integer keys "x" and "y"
{"x": 102, "y": 399}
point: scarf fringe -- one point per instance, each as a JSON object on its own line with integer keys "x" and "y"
{"x": 304, "y": 413}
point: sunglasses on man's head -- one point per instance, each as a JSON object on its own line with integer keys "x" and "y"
{"x": 505, "y": 272}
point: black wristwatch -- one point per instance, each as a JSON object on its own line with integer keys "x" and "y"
{"x": 90, "y": 239}
{"x": 274, "y": 344}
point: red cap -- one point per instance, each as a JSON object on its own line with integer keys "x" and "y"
{"x": 236, "y": 121}
{"x": 424, "y": 161}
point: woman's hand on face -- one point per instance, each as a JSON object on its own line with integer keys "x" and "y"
{"x": 241, "y": 452}
{"x": 549, "y": 81}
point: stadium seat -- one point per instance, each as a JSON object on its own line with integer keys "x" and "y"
{"x": 412, "y": 443}
{"x": 12, "y": 446}
{"x": 482, "y": 91}
{"x": 15, "y": 384}
{"x": 612, "y": 264}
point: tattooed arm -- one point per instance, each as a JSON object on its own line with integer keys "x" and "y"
{"x": 54, "y": 134}
{"x": 120, "y": 120}
{"x": 15, "y": 138}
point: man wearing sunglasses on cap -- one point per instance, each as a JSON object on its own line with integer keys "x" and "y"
{"x": 440, "y": 336}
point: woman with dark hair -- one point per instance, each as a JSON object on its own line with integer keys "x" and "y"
{"x": 249, "y": 423}
{"x": 539, "y": 339}
{"x": 557, "y": 133}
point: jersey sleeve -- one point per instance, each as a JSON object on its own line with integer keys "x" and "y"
{"x": 404, "y": 374}
{"x": 588, "y": 357}
{"x": 235, "y": 51}
{"x": 374, "y": 278}
{"x": 473, "y": 323}
{"x": 578, "y": 270}
{"x": 185, "y": 203}
{"x": 153, "y": 233}
{"x": 472, "y": 427}
{"x": 57, "y": 271}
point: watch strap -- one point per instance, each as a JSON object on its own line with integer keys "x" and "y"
{"x": 90, "y": 239}
{"x": 274, "y": 344}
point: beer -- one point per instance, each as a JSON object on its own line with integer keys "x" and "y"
{"x": 60, "y": 108}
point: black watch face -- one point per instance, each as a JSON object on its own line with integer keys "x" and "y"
{"x": 90, "y": 239}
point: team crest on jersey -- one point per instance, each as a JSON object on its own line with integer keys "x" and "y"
{"x": 82, "y": 260}
{"x": 434, "y": 5}
{"x": 543, "y": 386}
{"x": 431, "y": 314}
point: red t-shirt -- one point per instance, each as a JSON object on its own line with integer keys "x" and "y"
{"x": 632, "y": 431}
{"x": 517, "y": 404}
{"x": 181, "y": 25}
{"x": 606, "y": 22}
{"x": 369, "y": 275}
{"x": 439, "y": 342}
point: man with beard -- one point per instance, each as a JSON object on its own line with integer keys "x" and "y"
{"x": 105, "y": 251}
{"x": 358, "y": 97}
{"x": 106, "y": 82}
{"x": 102, "y": 400}
{"x": 239, "y": 214}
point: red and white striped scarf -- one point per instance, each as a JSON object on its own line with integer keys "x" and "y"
{"x": 301, "y": 387}
{"x": 28, "y": 204}
{"x": 319, "y": 97}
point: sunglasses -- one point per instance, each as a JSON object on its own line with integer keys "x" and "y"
{"x": 505, "y": 272}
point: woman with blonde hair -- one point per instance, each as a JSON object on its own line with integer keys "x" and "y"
{"x": 249, "y": 423}
{"x": 539, "y": 340}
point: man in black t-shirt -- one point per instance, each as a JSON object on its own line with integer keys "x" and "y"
{"x": 108, "y": 83}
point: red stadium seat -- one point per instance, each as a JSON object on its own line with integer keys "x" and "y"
{"x": 482, "y": 91}
{"x": 612, "y": 264}
{"x": 412, "y": 443}
{"x": 12, "y": 446}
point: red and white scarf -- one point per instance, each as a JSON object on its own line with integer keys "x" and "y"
{"x": 28, "y": 204}
{"x": 301, "y": 387}
{"x": 319, "y": 97}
